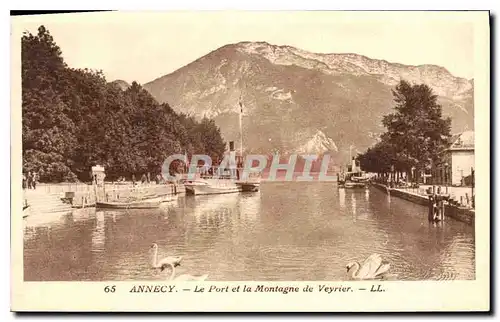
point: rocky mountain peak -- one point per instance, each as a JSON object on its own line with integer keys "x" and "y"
{"x": 439, "y": 78}
{"x": 299, "y": 101}
{"x": 319, "y": 143}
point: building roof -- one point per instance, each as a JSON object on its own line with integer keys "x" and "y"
{"x": 462, "y": 141}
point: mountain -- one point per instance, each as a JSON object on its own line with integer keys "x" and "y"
{"x": 123, "y": 85}
{"x": 298, "y": 101}
{"x": 318, "y": 144}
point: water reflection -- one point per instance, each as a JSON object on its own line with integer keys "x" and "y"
{"x": 99, "y": 233}
{"x": 214, "y": 210}
{"x": 353, "y": 205}
{"x": 288, "y": 231}
{"x": 249, "y": 207}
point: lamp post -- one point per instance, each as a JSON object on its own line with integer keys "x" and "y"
{"x": 473, "y": 179}
{"x": 413, "y": 176}
{"x": 392, "y": 176}
{"x": 446, "y": 176}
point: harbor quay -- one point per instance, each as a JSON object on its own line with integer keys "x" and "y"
{"x": 47, "y": 198}
{"x": 450, "y": 208}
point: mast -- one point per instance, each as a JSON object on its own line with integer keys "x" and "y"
{"x": 241, "y": 128}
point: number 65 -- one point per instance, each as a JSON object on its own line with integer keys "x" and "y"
{"x": 109, "y": 289}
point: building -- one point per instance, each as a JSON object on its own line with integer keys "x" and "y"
{"x": 457, "y": 161}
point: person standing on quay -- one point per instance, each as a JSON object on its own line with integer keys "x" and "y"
{"x": 133, "y": 179}
{"x": 33, "y": 182}
{"x": 30, "y": 178}
{"x": 24, "y": 181}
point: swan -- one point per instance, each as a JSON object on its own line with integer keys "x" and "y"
{"x": 185, "y": 277}
{"x": 372, "y": 268}
{"x": 164, "y": 262}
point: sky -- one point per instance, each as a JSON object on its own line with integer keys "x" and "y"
{"x": 143, "y": 46}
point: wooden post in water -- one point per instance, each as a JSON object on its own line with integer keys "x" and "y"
{"x": 430, "y": 213}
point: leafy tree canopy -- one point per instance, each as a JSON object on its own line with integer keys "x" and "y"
{"x": 74, "y": 119}
{"x": 416, "y": 132}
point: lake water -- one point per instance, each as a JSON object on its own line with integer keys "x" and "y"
{"x": 289, "y": 231}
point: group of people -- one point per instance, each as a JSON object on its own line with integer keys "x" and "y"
{"x": 30, "y": 180}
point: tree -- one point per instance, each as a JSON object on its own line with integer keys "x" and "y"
{"x": 416, "y": 131}
{"x": 211, "y": 139}
{"x": 417, "y": 128}
{"x": 48, "y": 132}
{"x": 74, "y": 119}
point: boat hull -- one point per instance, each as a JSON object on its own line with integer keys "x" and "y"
{"x": 210, "y": 189}
{"x": 219, "y": 186}
{"x": 354, "y": 185}
{"x": 248, "y": 186}
{"x": 129, "y": 205}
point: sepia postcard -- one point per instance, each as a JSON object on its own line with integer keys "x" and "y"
{"x": 246, "y": 161}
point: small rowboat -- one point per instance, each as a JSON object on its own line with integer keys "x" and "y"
{"x": 129, "y": 205}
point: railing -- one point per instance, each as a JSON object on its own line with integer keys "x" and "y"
{"x": 458, "y": 196}
{"x": 83, "y": 187}
{"x": 63, "y": 187}
{"x": 110, "y": 192}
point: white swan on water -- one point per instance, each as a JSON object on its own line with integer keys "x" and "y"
{"x": 164, "y": 262}
{"x": 372, "y": 268}
{"x": 185, "y": 277}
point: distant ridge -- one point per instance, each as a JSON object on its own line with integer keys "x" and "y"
{"x": 290, "y": 94}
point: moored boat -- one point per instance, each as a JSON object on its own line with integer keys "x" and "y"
{"x": 354, "y": 185}
{"x": 354, "y": 177}
{"x": 129, "y": 205}
{"x": 211, "y": 186}
{"x": 226, "y": 182}
{"x": 212, "y": 180}
{"x": 219, "y": 186}
{"x": 249, "y": 186}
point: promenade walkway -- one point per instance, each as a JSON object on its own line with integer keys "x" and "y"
{"x": 463, "y": 195}
{"x": 462, "y": 212}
